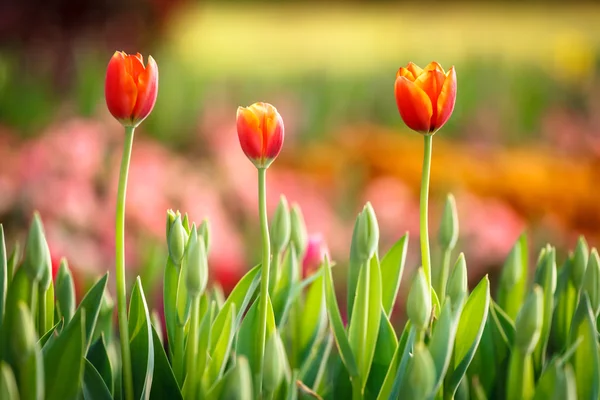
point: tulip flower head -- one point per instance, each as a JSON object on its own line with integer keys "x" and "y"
{"x": 131, "y": 88}
{"x": 260, "y": 130}
{"x": 425, "y": 97}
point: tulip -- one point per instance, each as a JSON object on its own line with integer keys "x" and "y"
{"x": 315, "y": 254}
{"x": 130, "y": 87}
{"x": 260, "y": 130}
{"x": 425, "y": 97}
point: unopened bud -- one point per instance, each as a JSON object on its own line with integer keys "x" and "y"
{"x": 545, "y": 273}
{"x": 591, "y": 282}
{"x": 458, "y": 283}
{"x": 448, "y": 234}
{"x": 528, "y": 325}
{"x": 171, "y": 216}
{"x": 65, "y": 292}
{"x": 298, "y": 235}
{"x": 281, "y": 226}
{"x": 238, "y": 385}
{"x": 196, "y": 265}
{"x": 177, "y": 240}
{"x": 580, "y": 260}
{"x": 37, "y": 253}
{"x": 367, "y": 233}
{"x": 418, "y": 305}
{"x": 204, "y": 233}
{"x": 420, "y": 374}
{"x": 273, "y": 364}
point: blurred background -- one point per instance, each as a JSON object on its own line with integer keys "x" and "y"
{"x": 521, "y": 151}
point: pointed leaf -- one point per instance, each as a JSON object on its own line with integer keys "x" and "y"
{"x": 98, "y": 356}
{"x": 248, "y": 334}
{"x": 91, "y": 303}
{"x": 164, "y": 385}
{"x": 313, "y": 319}
{"x": 141, "y": 342}
{"x": 94, "y": 387}
{"x": 385, "y": 349}
{"x": 392, "y": 266}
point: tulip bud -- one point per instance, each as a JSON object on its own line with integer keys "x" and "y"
{"x": 186, "y": 223}
{"x": 420, "y": 374}
{"x": 580, "y": 260}
{"x": 24, "y": 337}
{"x": 418, "y": 305}
{"x": 196, "y": 267}
{"x": 425, "y": 97}
{"x": 273, "y": 364}
{"x": 260, "y": 130}
{"x": 448, "y": 234}
{"x": 46, "y": 278}
{"x": 298, "y": 235}
{"x": 367, "y": 233}
{"x": 545, "y": 272}
{"x": 171, "y": 215}
{"x": 130, "y": 88}
{"x": 177, "y": 240}
{"x": 316, "y": 251}
{"x": 457, "y": 286}
{"x": 204, "y": 233}
{"x": 238, "y": 384}
{"x": 8, "y": 383}
{"x": 37, "y": 254}
{"x": 528, "y": 325}
{"x": 591, "y": 282}
{"x": 65, "y": 292}
{"x": 281, "y": 226}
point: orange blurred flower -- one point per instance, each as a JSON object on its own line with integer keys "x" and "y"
{"x": 425, "y": 97}
{"x": 260, "y": 130}
{"x": 131, "y": 88}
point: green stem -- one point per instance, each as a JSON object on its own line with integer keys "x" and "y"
{"x": 356, "y": 389}
{"x": 42, "y": 312}
{"x": 264, "y": 283}
{"x": 274, "y": 272}
{"x": 120, "y": 264}
{"x": 178, "y": 355}
{"x": 192, "y": 351}
{"x": 425, "y": 257}
{"x": 443, "y": 276}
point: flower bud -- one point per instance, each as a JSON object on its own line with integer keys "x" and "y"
{"x": 177, "y": 241}
{"x": 528, "y": 325}
{"x": 298, "y": 235}
{"x": 8, "y": 383}
{"x": 367, "y": 233}
{"x": 591, "y": 281}
{"x": 457, "y": 285}
{"x": 281, "y": 226}
{"x": 171, "y": 215}
{"x": 580, "y": 260}
{"x": 204, "y": 233}
{"x": 186, "y": 223}
{"x": 238, "y": 384}
{"x": 315, "y": 253}
{"x": 545, "y": 272}
{"x": 448, "y": 234}
{"x": 273, "y": 364}
{"x": 420, "y": 374}
{"x": 196, "y": 267}
{"x": 65, "y": 292}
{"x": 418, "y": 305}
{"x": 260, "y": 130}
{"x": 37, "y": 253}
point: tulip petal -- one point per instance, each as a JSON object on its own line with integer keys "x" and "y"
{"x": 431, "y": 82}
{"x": 135, "y": 66}
{"x": 249, "y": 133}
{"x": 414, "y": 105}
{"x": 434, "y": 66}
{"x": 274, "y": 133}
{"x": 120, "y": 88}
{"x": 415, "y": 69}
{"x": 147, "y": 84}
{"x": 446, "y": 99}
{"x": 405, "y": 72}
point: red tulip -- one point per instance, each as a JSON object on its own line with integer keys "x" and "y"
{"x": 425, "y": 97}
{"x": 130, "y": 87}
{"x": 260, "y": 130}
{"x": 316, "y": 250}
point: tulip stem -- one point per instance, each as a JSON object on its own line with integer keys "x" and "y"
{"x": 264, "y": 282}
{"x": 442, "y": 278}
{"x": 120, "y": 264}
{"x": 425, "y": 257}
{"x": 192, "y": 352}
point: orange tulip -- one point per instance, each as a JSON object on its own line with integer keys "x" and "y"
{"x": 130, "y": 88}
{"x": 260, "y": 130}
{"x": 425, "y": 97}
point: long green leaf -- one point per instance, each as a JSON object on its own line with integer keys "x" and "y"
{"x": 441, "y": 343}
{"x": 94, "y": 387}
{"x": 313, "y": 319}
{"x": 8, "y": 383}
{"x": 392, "y": 266}
{"x": 3, "y": 275}
{"x": 164, "y": 384}
{"x": 220, "y": 354}
{"x": 91, "y": 303}
{"x": 386, "y": 346}
{"x": 141, "y": 342}
{"x": 171, "y": 280}
{"x": 513, "y": 279}
{"x": 98, "y": 356}
{"x": 248, "y": 334}
{"x": 586, "y": 362}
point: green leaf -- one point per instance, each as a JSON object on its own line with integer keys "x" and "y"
{"x": 52, "y": 333}
{"x": 3, "y": 275}
{"x": 586, "y": 361}
{"x": 520, "y": 384}
{"x": 513, "y": 279}
{"x": 505, "y": 326}
{"x": 164, "y": 384}
{"x": 98, "y": 356}
{"x": 239, "y": 297}
{"x": 248, "y": 334}
{"x": 441, "y": 342}
{"x": 184, "y": 303}
{"x": 313, "y": 319}
{"x": 203, "y": 341}
{"x": 565, "y": 300}
{"x": 91, "y": 303}
{"x": 337, "y": 326}
{"x": 31, "y": 378}
{"x": 140, "y": 342}
{"x": 20, "y": 290}
{"x": 386, "y": 346}
{"x": 399, "y": 381}
{"x": 392, "y": 266}
{"x": 8, "y": 384}
{"x": 170, "y": 301}
{"x": 64, "y": 357}
{"x": 94, "y": 387}
{"x": 546, "y": 278}
{"x": 13, "y": 262}
{"x": 364, "y": 325}
{"x": 238, "y": 384}
{"x": 282, "y": 295}
{"x": 556, "y": 383}
{"x": 220, "y": 354}
{"x": 470, "y": 328}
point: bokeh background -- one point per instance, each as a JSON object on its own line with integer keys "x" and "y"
{"x": 521, "y": 152}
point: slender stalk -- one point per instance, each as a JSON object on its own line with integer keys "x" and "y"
{"x": 120, "y": 264}
{"x": 178, "y": 355}
{"x": 425, "y": 257}
{"x": 264, "y": 282}
{"x": 356, "y": 389}
{"x": 442, "y": 279}
{"x": 192, "y": 351}
{"x": 42, "y": 312}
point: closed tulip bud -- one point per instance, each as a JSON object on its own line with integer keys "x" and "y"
{"x": 580, "y": 260}
{"x": 196, "y": 267}
{"x": 37, "y": 254}
{"x": 420, "y": 374}
{"x": 171, "y": 215}
{"x": 591, "y": 281}
{"x": 528, "y": 325}
{"x": 186, "y": 223}
{"x": 24, "y": 337}
{"x": 238, "y": 384}
{"x": 260, "y": 130}
{"x": 298, "y": 235}
{"x": 545, "y": 272}
{"x": 281, "y": 226}
{"x": 367, "y": 232}
{"x": 8, "y": 384}
{"x": 273, "y": 367}
{"x": 457, "y": 285}
{"x": 418, "y": 305}
{"x": 130, "y": 87}
{"x": 177, "y": 241}
{"x": 46, "y": 278}
{"x": 65, "y": 292}
{"x": 204, "y": 233}
{"x": 425, "y": 97}
{"x": 448, "y": 234}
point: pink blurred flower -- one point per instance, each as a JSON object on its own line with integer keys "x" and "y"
{"x": 315, "y": 253}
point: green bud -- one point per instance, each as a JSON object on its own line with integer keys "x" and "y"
{"x": 65, "y": 292}
{"x": 298, "y": 235}
{"x": 458, "y": 284}
{"x": 281, "y": 226}
{"x": 24, "y": 337}
{"x": 448, "y": 234}
{"x": 545, "y": 272}
{"x": 196, "y": 267}
{"x": 46, "y": 278}
{"x": 528, "y": 325}
{"x": 186, "y": 223}
{"x": 8, "y": 383}
{"x": 367, "y": 233}
{"x": 580, "y": 260}
{"x": 37, "y": 254}
{"x": 238, "y": 385}
{"x": 273, "y": 364}
{"x": 420, "y": 374}
{"x": 591, "y": 281}
{"x": 513, "y": 268}
{"x": 204, "y": 233}
{"x": 177, "y": 240}
{"x": 418, "y": 305}
{"x": 171, "y": 216}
